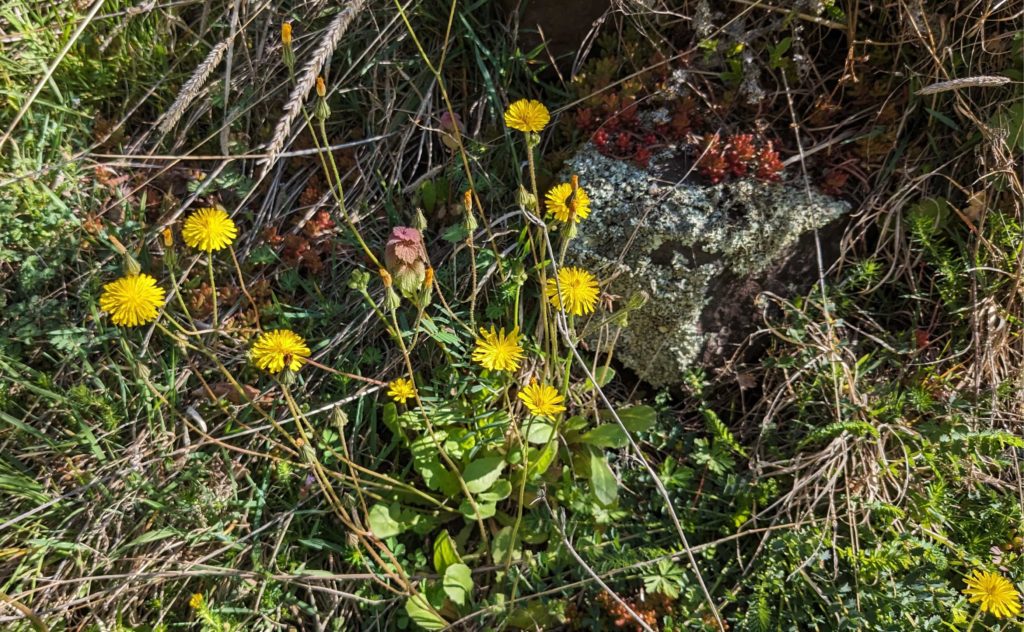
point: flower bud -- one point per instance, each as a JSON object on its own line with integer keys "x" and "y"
{"x": 321, "y": 88}
{"x": 391, "y": 299}
{"x": 359, "y": 280}
{"x": 338, "y": 418}
{"x": 638, "y": 300}
{"x": 526, "y": 199}
{"x": 419, "y": 220}
{"x": 168, "y": 236}
{"x": 286, "y": 376}
{"x": 406, "y": 259}
{"x": 286, "y": 33}
{"x": 471, "y": 224}
{"x": 385, "y": 277}
{"x": 131, "y": 265}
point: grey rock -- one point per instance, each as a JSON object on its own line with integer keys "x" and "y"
{"x": 703, "y": 254}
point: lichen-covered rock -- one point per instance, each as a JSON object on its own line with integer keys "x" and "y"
{"x": 701, "y": 252}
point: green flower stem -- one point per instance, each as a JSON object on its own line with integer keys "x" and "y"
{"x": 213, "y": 288}
{"x": 449, "y": 463}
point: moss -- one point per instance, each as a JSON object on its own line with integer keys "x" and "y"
{"x": 672, "y": 241}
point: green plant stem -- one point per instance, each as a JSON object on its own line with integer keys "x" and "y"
{"x": 213, "y": 288}
{"x": 452, "y": 467}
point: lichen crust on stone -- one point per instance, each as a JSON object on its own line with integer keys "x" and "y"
{"x": 673, "y": 240}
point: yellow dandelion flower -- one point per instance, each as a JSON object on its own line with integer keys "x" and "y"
{"x": 994, "y": 593}
{"x": 286, "y": 33}
{"x": 527, "y": 116}
{"x": 498, "y": 352}
{"x": 579, "y": 291}
{"x": 132, "y": 300}
{"x": 275, "y": 350}
{"x": 196, "y": 601}
{"x": 542, "y": 400}
{"x": 401, "y": 390}
{"x": 564, "y": 205}
{"x": 209, "y": 229}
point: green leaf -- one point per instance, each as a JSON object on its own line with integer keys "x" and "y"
{"x": 500, "y": 491}
{"x": 487, "y": 510}
{"x": 445, "y": 552}
{"x": 602, "y": 481}
{"x": 502, "y": 545}
{"x": 458, "y": 583}
{"x": 422, "y": 614}
{"x": 386, "y": 522}
{"x": 428, "y": 196}
{"x": 540, "y": 462}
{"x": 539, "y": 432}
{"x": 603, "y": 375}
{"x": 606, "y": 436}
{"x": 482, "y": 473}
{"x": 634, "y": 418}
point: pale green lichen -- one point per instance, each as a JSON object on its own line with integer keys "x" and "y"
{"x": 672, "y": 241}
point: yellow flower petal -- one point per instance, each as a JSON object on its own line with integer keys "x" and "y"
{"x": 498, "y": 352}
{"x": 274, "y": 350}
{"x": 209, "y": 229}
{"x": 542, "y": 400}
{"x": 527, "y": 116}
{"x": 401, "y": 389}
{"x": 563, "y": 208}
{"x": 132, "y": 300}
{"x": 579, "y": 291}
{"x": 994, "y": 593}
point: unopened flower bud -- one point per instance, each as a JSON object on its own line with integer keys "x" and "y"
{"x": 286, "y": 33}
{"x": 385, "y": 277}
{"x": 359, "y": 280}
{"x": 338, "y": 418}
{"x": 419, "y": 220}
{"x": 168, "y": 236}
{"x": 131, "y": 265}
{"x": 637, "y": 300}
{"x": 321, "y": 88}
{"x": 526, "y": 199}
{"x": 286, "y": 376}
{"x": 391, "y": 299}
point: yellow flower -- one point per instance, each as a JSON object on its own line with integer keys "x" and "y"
{"x": 277, "y": 349}
{"x": 196, "y": 601}
{"x": 498, "y": 352}
{"x": 579, "y": 291}
{"x": 209, "y": 229}
{"x": 401, "y": 390}
{"x": 562, "y": 207}
{"x": 542, "y": 400}
{"x": 286, "y": 33}
{"x": 132, "y": 300}
{"x": 527, "y": 116}
{"x": 995, "y": 594}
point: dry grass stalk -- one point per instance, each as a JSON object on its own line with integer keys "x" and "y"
{"x": 305, "y": 80}
{"x": 192, "y": 87}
